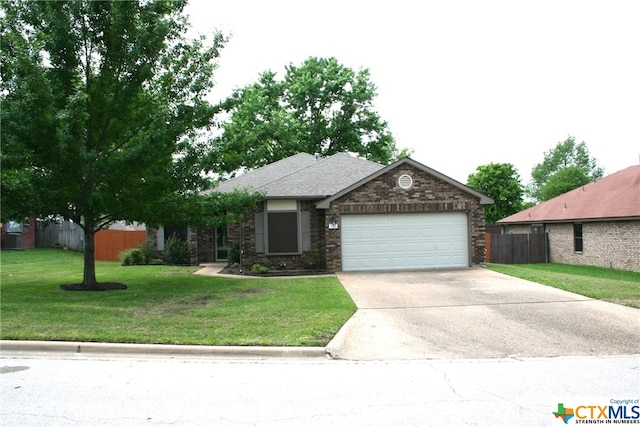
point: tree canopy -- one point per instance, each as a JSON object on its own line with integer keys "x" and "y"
{"x": 565, "y": 167}
{"x": 501, "y": 182}
{"x": 103, "y": 109}
{"x": 319, "y": 107}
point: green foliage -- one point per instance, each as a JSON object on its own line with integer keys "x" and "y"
{"x": 132, "y": 257}
{"x": 164, "y": 304}
{"x": 148, "y": 251}
{"x": 618, "y": 286}
{"x": 311, "y": 258}
{"x": 574, "y": 165}
{"x": 501, "y": 182}
{"x": 319, "y": 107}
{"x": 103, "y": 109}
{"x": 234, "y": 254}
{"x": 259, "y": 269}
{"x": 176, "y": 250}
{"x": 144, "y": 254}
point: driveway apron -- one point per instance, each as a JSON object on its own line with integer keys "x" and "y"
{"x": 476, "y": 313}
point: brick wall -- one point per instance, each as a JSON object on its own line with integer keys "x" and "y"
{"x": 614, "y": 244}
{"x": 383, "y": 195}
{"x": 244, "y": 234}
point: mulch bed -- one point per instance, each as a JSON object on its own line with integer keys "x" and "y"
{"x": 273, "y": 273}
{"x": 96, "y": 287}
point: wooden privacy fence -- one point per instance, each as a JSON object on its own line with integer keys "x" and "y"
{"x": 62, "y": 234}
{"x": 109, "y": 243}
{"x": 517, "y": 248}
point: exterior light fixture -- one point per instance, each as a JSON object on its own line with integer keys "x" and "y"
{"x": 333, "y": 225}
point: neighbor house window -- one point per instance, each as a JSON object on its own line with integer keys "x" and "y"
{"x": 577, "y": 237}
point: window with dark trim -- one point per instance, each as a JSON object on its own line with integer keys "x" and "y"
{"x": 282, "y": 228}
{"x": 577, "y": 237}
{"x": 283, "y": 232}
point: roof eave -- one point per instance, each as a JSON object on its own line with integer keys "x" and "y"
{"x": 570, "y": 220}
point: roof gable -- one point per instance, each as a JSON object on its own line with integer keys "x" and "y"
{"x": 616, "y": 196}
{"x": 483, "y": 199}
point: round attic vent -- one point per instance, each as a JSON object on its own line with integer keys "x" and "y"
{"x": 405, "y": 181}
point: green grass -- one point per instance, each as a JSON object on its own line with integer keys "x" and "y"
{"x": 164, "y": 304}
{"x": 618, "y": 286}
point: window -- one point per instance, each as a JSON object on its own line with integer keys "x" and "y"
{"x": 577, "y": 237}
{"x": 282, "y": 228}
{"x": 537, "y": 229}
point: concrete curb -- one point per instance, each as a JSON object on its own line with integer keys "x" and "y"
{"x": 10, "y": 348}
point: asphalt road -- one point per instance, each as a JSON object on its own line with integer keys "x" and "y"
{"x": 477, "y": 313}
{"x": 196, "y": 392}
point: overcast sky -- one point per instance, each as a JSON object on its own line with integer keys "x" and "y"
{"x": 461, "y": 82}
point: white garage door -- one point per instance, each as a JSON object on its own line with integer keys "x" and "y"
{"x": 404, "y": 241}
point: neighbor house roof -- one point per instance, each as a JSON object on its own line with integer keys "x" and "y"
{"x": 616, "y": 196}
{"x": 303, "y": 176}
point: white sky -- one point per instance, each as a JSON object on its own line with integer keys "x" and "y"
{"x": 462, "y": 82}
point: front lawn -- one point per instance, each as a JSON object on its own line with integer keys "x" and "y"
{"x": 164, "y": 304}
{"x": 618, "y": 286}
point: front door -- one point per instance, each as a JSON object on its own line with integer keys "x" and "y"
{"x": 222, "y": 251}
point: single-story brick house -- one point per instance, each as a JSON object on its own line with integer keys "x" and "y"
{"x": 346, "y": 213}
{"x": 597, "y": 224}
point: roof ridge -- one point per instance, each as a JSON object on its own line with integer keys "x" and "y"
{"x": 269, "y": 166}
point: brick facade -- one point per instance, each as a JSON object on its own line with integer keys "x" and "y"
{"x": 243, "y": 234}
{"x": 613, "y": 244}
{"x": 380, "y": 195}
{"x": 427, "y": 194}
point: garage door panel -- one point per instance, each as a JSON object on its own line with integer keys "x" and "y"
{"x": 404, "y": 241}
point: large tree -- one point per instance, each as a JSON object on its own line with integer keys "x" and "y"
{"x": 565, "y": 167}
{"x": 102, "y": 110}
{"x": 319, "y": 107}
{"x": 501, "y": 182}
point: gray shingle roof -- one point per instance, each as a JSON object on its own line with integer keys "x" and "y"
{"x": 302, "y": 176}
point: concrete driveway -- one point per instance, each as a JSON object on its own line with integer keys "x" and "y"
{"x": 476, "y": 313}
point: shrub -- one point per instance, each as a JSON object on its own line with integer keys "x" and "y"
{"x": 176, "y": 250}
{"x": 311, "y": 258}
{"x": 125, "y": 257}
{"x": 259, "y": 269}
{"x": 131, "y": 257}
{"x": 148, "y": 251}
{"x": 156, "y": 261}
{"x": 234, "y": 254}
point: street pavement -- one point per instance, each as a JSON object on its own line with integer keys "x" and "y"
{"x": 82, "y": 391}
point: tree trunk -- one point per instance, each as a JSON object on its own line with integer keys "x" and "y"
{"x": 89, "y": 278}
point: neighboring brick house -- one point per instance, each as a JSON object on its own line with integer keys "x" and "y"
{"x": 346, "y": 213}
{"x": 597, "y": 224}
